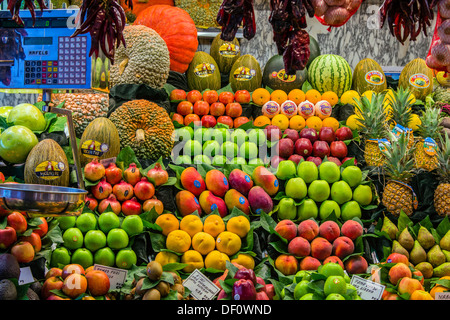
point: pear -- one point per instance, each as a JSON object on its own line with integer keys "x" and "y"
{"x": 426, "y": 268}
{"x": 390, "y": 228}
{"x": 442, "y": 271}
{"x": 446, "y": 254}
{"x": 398, "y": 248}
{"x": 445, "y": 241}
{"x": 405, "y": 239}
{"x": 425, "y": 238}
{"x": 417, "y": 254}
{"x": 435, "y": 256}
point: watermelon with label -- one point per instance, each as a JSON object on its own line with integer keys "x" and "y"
{"x": 417, "y": 77}
{"x": 314, "y": 50}
{"x": 225, "y": 53}
{"x": 330, "y": 72}
{"x": 368, "y": 75}
{"x": 245, "y": 74}
{"x": 275, "y": 77}
{"x": 203, "y": 73}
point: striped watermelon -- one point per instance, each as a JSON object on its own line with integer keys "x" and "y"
{"x": 330, "y": 72}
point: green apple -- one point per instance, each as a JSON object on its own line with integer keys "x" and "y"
{"x": 5, "y": 110}
{"x": 192, "y": 148}
{"x": 219, "y": 160}
{"x": 350, "y": 210}
{"x": 308, "y": 209}
{"x": 203, "y": 134}
{"x": 199, "y": 159}
{"x": 286, "y": 169}
{"x": 237, "y": 160}
{"x": 308, "y": 171}
{"x": 363, "y": 194}
{"x": 341, "y": 192}
{"x": 230, "y": 149}
{"x": 16, "y": 143}
{"x": 257, "y": 136}
{"x": 184, "y": 159}
{"x": 329, "y": 171}
{"x": 295, "y": 188}
{"x": 256, "y": 161}
{"x": 248, "y": 150}
{"x": 184, "y": 133}
{"x": 239, "y": 136}
{"x": 319, "y": 190}
{"x": 221, "y": 135}
{"x": 27, "y": 115}
{"x": 327, "y": 207}
{"x": 352, "y": 175}
{"x": 287, "y": 209}
{"x": 211, "y": 148}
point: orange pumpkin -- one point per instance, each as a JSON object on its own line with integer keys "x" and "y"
{"x": 177, "y": 29}
{"x": 141, "y": 5}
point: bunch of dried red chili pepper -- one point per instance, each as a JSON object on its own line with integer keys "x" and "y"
{"x": 233, "y": 13}
{"x": 14, "y": 8}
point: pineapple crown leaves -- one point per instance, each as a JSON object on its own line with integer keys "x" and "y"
{"x": 399, "y": 162}
{"x": 443, "y": 156}
{"x": 373, "y": 118}
{"x": 400, "y": 106}
{"x": 430, "y": 126}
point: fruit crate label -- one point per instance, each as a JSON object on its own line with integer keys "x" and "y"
{"x": 116, "y": 276}
{"x": 419, "y": 80}
{"x": 244, "y": 74}
{"x": 282, "y": 76}
{"x": 442, "y": 296}
{"x": 382, "y": 144}
{"x": 430, "y": 146}
{"x": 367, "y": 290}
{"x": 204, "y": 70}
{"x": 50, "y": 170}
{"x": 374, "y": 77}
{"x": 93, "y": 149}
{"x": 399, "y": 129}
{"x": 200, "y": 286}
{"x": 229, "y": 50}
{"x": 26, "y": 276}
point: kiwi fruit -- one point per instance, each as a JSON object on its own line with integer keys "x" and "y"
{"x": 138, "y": 287}
{"x": 154, "y": 270}
{"x": 163, "y": 287}
{"x": 152, "y": 294}
{"x": 176, "y": 277}
{"x": 178, "y": 287}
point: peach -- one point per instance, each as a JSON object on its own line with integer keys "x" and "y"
{"x": 396, "y": 258}
{"x": 352, "y": 229}
{"x": 356, "y": 265}
{"x": 399, "y": 271}
{"x": 335, "y": 260}
{"x": 308, "y": 229}
{"x": 419, "y": 276}
{"x": 192, "y": 118}
{"x": 309, "y": 263}
{"x": 287, "y": 229}
{"x": 321, "y": 248}
{"x": 409, "y": 285}
{"x": 420, "y": 295}
{"x": 299, "y": 247}
{"x": 17, "y": 221}
{"x": 201, "y": 108}
{"x": 343, "y": 246}
{"x": 217, "y": 109}
{"x": 225, "y": 120}
{"x": 34, "y": 239}
{"x": 286, "y": 264}
{"x": 391, "y": 296}
{"x": 329, "y": 230}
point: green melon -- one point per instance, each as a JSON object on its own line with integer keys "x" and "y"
{"x": 314, "y": 50}
{"x": 225, "y": 53}
{"x": 330, "y": 72}
{"x": 245, "y": 74}
{"x": 368, "y": 75}
{"x": 275, "y": 77}
{"x": 417, "y": 77}
{"x": 203, "y": 73}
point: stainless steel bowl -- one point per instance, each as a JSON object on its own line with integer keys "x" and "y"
{"x": 42, "y": 200}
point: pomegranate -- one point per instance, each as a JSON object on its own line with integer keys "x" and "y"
{"x": 94, "y": 170}
{"x": 158, "y": 175}
{"x": 90, "y": 202}
{"x": 123, "y": 191}
{"x": 132, "y": 174}
{"x": 113, "y": 174}
{"x": 244, "y": 290}
{"x": 153, "y": 203}
{"x": 111, "y": 201}
{"x": 131, "y": 207}
{"x": 144, "y": 189}
{"x": 321, "y": 149}
{"x": 101, "y": 190}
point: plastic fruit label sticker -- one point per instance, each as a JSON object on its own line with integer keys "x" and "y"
{"x": 289, "y": 108}
{"x": 204, "y": 70}
{"x": 430, "y": 146}
{"x": 93, "y": 149}
{"x": 50, "y": 170}
{"x": 374, "y": 77}
{"x": 229, "y": 50}
{"x": 270, "y": 109}
{"x": 419, "y": 80}
{"x": 382, "y": 143}
{"x": 244, "y": 74}
{"x": 306, "y": 109}
{"x": 282, "y": 76}
{"x": 399, "y": 129}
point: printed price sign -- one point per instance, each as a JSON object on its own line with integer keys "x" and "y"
{"x": 367, "y": 289}
{"x": 25, "y": 276}
{"x": 116, "y": 276}
{"x": 200, "y": 286}
{"x": 442, "y": 296}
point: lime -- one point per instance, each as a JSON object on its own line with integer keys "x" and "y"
{"x": 184, "y": 133}
{"x": 132, "y": 225}
{"x": 334, "y": 296}
{"x": 256, "y": 161}
{"x": 237, "y": 160}
{"x": 83, "y": 257}
{"x": 301, "y": 289}
{"x": 363, "y": 195}
{"x": 67, "y": 222}
{"x": 125, "y": 259}
{"x": 60, "y": 256}
{"x": 302, "y": 275}
{"x": 219, "y": 160}
{"x": 257, "y": 136}
{"x": 201, "y": 158}
{"x": 211, "y": 148}
{"x": 108, "y": 221}
{"x": 105, "y": 256}
{"x": 73, "y": 238}
{"x": 352, "y": 175}
{"x": 230, "y": 149}
{"x": 332, "y": 269}
{"x": 221, "y": 135}
{"x": 192, "y": 148}
{"x": 248, "y": 150}
{"x": 335, "y": 284}
{"x": 239, "y": 136}
{"x": 117, "y": 239}
{"x": 309, "y": 296}
{"x": 182, "y": 159}
{"x": 94, "y": 240}
{"x": 86, "y": 221}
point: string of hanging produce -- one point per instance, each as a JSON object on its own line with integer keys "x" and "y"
{"x": 14, "y": 8}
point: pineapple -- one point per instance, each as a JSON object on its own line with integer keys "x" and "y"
{"x": 429, "y": 128}
{"x": 442, "y": 192}
{"x": 373, "y": 126}
{"x": 397, "y": 195}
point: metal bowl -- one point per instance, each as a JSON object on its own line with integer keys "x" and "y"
{"x": 42, "y": 200}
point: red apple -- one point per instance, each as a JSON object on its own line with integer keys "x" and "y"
{"x": 201, "y": 107}
{"x": 23, "y": 251}
{"x": 43, "y": 227}
{"x": 193, "y": 96}
{"x": 7, "y": 237}
{"x": 309, "y": 133}
{"x": 275, "y": 160}
{"x": 177, "y": 94}
{"x": 208, "y": 121}
{"x": 74, "y": 285}
{"x": 348, "y": 158}
{"x": 296, "y": 158}
{"x": 335, "y": 160}
{"x": 53, "y": 272}
{"x": 210, "y": 96}
{"x": 327, "y": 134}
{"x": 338, "y": 149}
{"x": 291, "y": 134}
{"x": 4, "y": 212}
{"x": 225, "y": 120}
{"x": 17, "y": 221}
{"x": 242, "y": 96}
{"x": 270, "y": 290}
{"x": 233, "y": 109}
{"x": 51, "y": 283}
{"x": 316, "y": 160}
{"x": 226, "y": 97}
{"x": 344, "y": 133}
{"x": 217, "y": 109}
{"x": 303, "y": 147}
{"x": 71, "y": 269}
{"x": 285, "y": 147}
{"x": 35, "y": 241}
{"x": 98, "y": 282}
{"x": 273, "y": 133}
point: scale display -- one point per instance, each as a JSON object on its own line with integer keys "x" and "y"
{"x": 43, "y": 56}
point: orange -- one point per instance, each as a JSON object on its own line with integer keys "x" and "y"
{"x": 281, "y": 121}
{"x": 216, "y": 260}
{"x": 261, "y": 121}
{"x": 313, "y": 96}
{"x": 296, "y": 95}
{"x": 168, "y": 222}
{"x": 331, "y": 122}
{"x": 314, "y": 122}
{"x": 260, "y": 96}
{"x": 278, "y": 96}
{"x": 331, "y": 97}
{"x": 297, "y": 122}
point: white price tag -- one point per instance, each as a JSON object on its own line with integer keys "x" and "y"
{"x": 200, "y": 286}
{"x": 116, "y": 276}
{"x": 367, "y": 289}
{"x": 25, "y": 276}
{"x": 442, "y": 296}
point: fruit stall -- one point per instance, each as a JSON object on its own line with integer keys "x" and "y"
{"x": 150, "y": 151}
